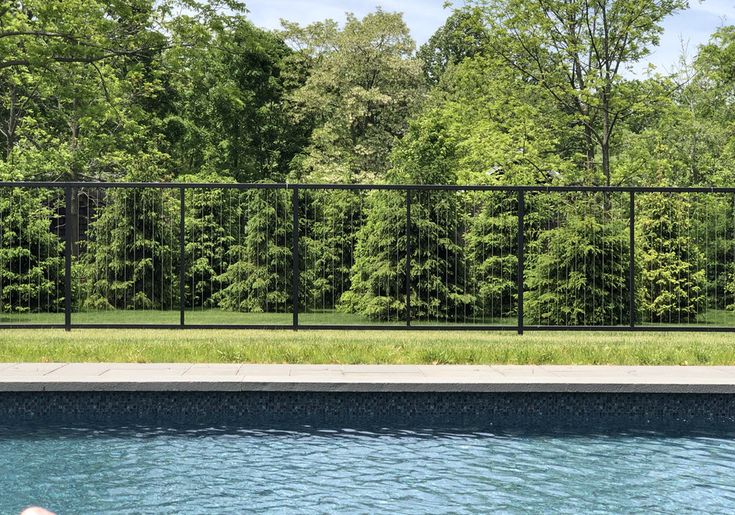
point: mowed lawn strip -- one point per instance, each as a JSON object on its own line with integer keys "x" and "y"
{"x": 365, "y": 347}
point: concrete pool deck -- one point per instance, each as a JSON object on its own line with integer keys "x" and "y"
{"x": 180, "y": 377}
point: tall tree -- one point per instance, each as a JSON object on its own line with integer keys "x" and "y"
{"x": 362, "y": 86}
{"x": 227, "y": 82}
{"x": 577, "y": 50}
{"x": 463, "y": 35}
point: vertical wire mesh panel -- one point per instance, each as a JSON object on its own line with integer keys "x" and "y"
{"x": 31, "y": 255}
{"x": 368, "y": 237}
{"x": 335, "y": 250}
{"x": 124, "y": 255}
{"x": 238, "y": 259}
{"x": 577, "y": 259}
{"x": 490, "y": 251}
{"x": 464, "y": 258}
{"x": 441, "y": 284}
{"x": 685, "y": 259}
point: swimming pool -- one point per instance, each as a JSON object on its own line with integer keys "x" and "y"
{"x": 218, "y": 470}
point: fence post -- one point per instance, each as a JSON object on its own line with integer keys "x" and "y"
{"x": 68, "y": 242}
{"x": 408, "y": 258}
{"x": 521, "y": 255}
{"x": 182, "y": 254}
{"x": 295, "y": 279}
{"x": 631, "y": 262}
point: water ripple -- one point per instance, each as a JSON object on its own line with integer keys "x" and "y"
{"x": 217, "y": 470}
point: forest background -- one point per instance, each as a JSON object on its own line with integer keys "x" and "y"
{"x": 506, "y": 92}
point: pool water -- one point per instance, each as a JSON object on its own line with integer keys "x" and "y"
{"x": 149, "y": 470}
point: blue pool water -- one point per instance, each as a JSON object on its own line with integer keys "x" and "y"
{"x": 144, "y": 470}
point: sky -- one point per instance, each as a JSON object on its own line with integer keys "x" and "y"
{"x": 684, "y": 31}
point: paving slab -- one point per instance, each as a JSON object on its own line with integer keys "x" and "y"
{"x": 363, "y": 378}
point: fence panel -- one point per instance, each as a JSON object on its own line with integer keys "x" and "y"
{"x": 464, "y": 258}
{"x": 124, "y": 253}
{"x": 577, "y": 259}
{"x": 32, "y": 270}
{"x": 686, "y": 256}
{"x": 420, "y": 257}
{"x": 238, "y": 257}
{"x": 334, "y": 288}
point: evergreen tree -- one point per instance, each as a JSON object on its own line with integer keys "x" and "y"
{"x": 129, "y": 258}
{"x": 259, "y": 278}
{"x": 672, "y": 282}
{"x": 31, "y": 250}
{"x": 577, "y": 262}
{"x": 438, "y": 267}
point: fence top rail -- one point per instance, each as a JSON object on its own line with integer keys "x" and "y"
{"x": 362, "y": 187}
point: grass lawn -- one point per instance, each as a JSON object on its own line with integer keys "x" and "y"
{"x": 717, "y": 317}
{"x": 384, "y": 347}
{"x": 217, "y": 316}
{"x": 379, "y": 347}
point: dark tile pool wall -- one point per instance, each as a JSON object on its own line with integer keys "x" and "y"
{"x": 339, "y": 409}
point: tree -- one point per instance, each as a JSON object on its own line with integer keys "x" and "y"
{"x": 576, "y": 50}
{"x": 439, "y": 286}
{"x": 672, "y": 282}
{"x": 362, "y": 85}
{"x": 463, "y": 35}
{"x": 577, "y": 270}
{"x": 227, "y": 82}
{"x": 258, "y": 280}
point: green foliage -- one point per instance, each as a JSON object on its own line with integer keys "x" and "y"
{"x": 439, "y": 268}
{"x": 259, "y": 276}
{"x": 506, "y": 92}
{"x": 576, "y": 51}
{"x": 31, "y": 252}
{"x": 672, "y": 281}
{"x": 463, "y": 35}
{"x": 577, "y": 266}
{"x": 363, "y": 83}
{"x": 228, "y": 114}
{"x": 438, "y": 275}
{"x": 130, "y": 258}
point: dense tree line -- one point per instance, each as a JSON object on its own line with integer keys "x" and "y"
{"x": 506, "y": 92}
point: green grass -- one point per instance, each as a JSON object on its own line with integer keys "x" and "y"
{"x": 337, "y": 347}
{"x": 215, "y": 316}
{"x": 379, "y": 347}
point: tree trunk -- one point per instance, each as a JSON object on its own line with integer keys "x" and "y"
{"x": 589, "y": 143}
{"x": 72, "y": 218}
{"x": 605, "y": 150}
{"x": 12, "y": 124}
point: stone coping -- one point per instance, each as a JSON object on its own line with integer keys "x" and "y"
{"x": 182, "y": 377}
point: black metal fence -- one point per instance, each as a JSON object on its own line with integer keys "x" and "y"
{"x": 184, "y": 255}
